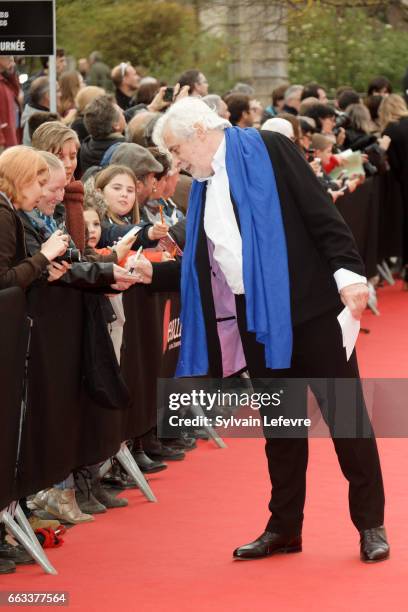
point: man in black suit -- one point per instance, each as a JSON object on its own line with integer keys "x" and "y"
{"x": 325, "y": 273}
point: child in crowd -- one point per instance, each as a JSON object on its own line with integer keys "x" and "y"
{"x": 96, "y": 210}
{"x": 323, "y": 147}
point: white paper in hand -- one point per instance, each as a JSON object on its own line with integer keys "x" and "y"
{"x": 350, "y": 328}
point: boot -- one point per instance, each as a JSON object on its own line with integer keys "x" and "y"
{"x": 62, "y": 504}
{"x": 7, "y": 566}
{"x": 16, "y": 554}
{"x": 12, "y": 555}
{"x": 146, "y": 465}
{"x": 117, "y": 478}
{"x": 185, "y": 442}
{"x": 38, "y": 501}
{"x": 155, "y": 450}
{"x": 84, "y": 496}
{"x": 88, "y": 503}
{"x": 107, "y": 499}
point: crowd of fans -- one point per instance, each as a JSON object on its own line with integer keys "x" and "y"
{"x": 74, "y": 183}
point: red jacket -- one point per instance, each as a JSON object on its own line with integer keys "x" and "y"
{"x": 9, "y": 89}
{"x": 331, "y": 164}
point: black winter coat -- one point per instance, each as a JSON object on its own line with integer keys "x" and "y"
{"x": 92, "y": 150}
{"x": 82, "y": 275}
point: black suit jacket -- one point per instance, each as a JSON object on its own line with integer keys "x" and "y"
{"x": 318, "y": 243}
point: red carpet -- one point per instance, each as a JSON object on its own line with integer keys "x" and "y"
{"x": 384, "y": 351}
{"x": 176, "y": 555}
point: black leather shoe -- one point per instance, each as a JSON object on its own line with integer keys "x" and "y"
{"x": 147, "y": 465}
{"x": 200, "y": 434}
{"x": 7, "y": 566}
{"x": 269, "y": 544}
{"x": 165, "y": 452}
{"x": 374, "y": 545}
{"x": 184, "y": 442}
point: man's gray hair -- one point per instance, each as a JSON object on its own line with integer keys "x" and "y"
{"x": 53, "y": 162}
{"x": 213, "y": 101}
{"x": 184, "y": 117}
{"x": 39, "y": 88}
{"x": 243, "y": 88}
{"x": 292, "y": 91}
{"x": 147, "y": 80}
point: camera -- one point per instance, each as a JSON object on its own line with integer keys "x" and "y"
{"x": 70, "y": 256}
{"x": 168, "y": 94}
{"x": 377, "y": 158}
{"x": 342, "y": 121}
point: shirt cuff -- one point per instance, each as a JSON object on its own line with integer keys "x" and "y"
{"x": 345, "y": 277}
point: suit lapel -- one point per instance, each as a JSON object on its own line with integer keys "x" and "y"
{"x": 203, "y": 271}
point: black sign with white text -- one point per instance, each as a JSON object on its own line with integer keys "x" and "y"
{"x": 27, "y": 27}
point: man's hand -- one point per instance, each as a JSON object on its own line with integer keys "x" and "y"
{"x": 335, "y": 194}
{"x": 384, "y": 142}
{"x": 55, "y": 246}
{"x": 56, "y": 270}
{"x": 142, "y": 269}
{"x": 158, "y": 104}
{"x": 355, "y": 296}
{"x": 180, "y": 92}
{"x": 123, "y": 280}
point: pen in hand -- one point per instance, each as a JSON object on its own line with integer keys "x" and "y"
{"x": 135, "y": 259}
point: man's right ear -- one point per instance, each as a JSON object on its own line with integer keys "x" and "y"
{"x": 200, "y": 130}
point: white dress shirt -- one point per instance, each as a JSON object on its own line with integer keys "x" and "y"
{"x": 220, "y": 224}
{"x": 221, "y": 228}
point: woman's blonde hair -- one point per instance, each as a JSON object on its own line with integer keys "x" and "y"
{"x": 392, "y": 108}
{"x": 86, "y": 95}
{"x": 19, "y": 167}
{"x": 360, "y": 117}
{"x": 52, "y": 135}
{"x": 106, "y": 176}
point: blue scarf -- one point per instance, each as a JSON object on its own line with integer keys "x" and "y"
{"x": 45, "y": 224}
{"x": 265, "y": 264}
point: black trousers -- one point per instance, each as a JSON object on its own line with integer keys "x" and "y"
{"x": 317, "y": 353}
